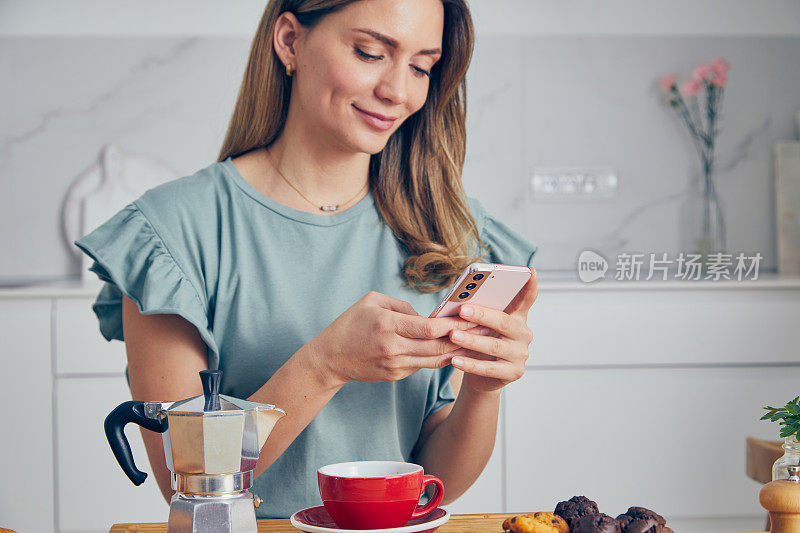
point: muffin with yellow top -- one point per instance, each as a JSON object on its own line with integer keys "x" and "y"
{"x": 541, "y": 522}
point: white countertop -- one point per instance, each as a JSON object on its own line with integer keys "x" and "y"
{"x": 548, "y": 281}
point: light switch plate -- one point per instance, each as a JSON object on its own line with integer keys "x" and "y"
{"x": 573, "y": 183}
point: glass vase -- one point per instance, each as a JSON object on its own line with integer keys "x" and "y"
{"x": 791, "y": 456}
{"x": 710, "y": 236}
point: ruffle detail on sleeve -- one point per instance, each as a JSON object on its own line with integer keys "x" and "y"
{"x": 131, "y": 259}
{"x": 505, "y": 245}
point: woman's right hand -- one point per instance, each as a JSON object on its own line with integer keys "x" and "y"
{"x": 381, "y": 338}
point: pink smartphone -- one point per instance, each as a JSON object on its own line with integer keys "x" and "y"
{"x": 484, "y": 284}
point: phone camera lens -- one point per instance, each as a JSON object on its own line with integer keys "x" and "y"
{"x": 471, "y": 286}
{"x": 477, "y": 277}
{"x": 463, "y": 295}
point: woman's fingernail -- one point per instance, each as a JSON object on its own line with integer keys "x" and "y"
{"x": 457, "y": 335}
{"x": 457, "y": 361}
{"x": 466, "y": 310}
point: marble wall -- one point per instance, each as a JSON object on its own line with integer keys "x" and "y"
{"x": 533, "y": 100}
{"x": 596, "y": 101}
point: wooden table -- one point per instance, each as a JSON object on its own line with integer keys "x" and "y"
{"x": 458, "y": 523}
{"x": 463, "y": 523}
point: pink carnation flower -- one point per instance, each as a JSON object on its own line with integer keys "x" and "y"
{"x": 701, "y": 71}
{"x": 720, "y": 80}
{"x": 720, "y": 66}
{"x": 690, "y": 87}
{"x": 668, "y": 81}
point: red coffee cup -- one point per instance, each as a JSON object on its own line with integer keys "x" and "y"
{"x": 376, "y": 494}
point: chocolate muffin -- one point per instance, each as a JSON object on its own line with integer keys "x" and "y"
{"x": 575, "y": 508}
{"x": 596, "y": 523}
{"x": 641, "y": 520}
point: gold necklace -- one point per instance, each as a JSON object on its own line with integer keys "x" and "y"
{"x": 320, "y": 207}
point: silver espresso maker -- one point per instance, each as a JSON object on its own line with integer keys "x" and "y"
{"x": 211, "y": 444}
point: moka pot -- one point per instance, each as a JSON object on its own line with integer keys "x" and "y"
{"x": 211, "y": 446}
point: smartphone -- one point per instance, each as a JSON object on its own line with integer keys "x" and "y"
{"x": 484, "y": 284}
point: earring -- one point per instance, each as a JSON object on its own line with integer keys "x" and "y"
{"x": 289, "y": 70}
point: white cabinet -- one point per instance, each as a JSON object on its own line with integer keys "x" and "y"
{"x": 26, "y": 403}
{"x": 89, "y": 383}
{"x": 670, "y": 439}
{"x": 486, "y": 494}
{"x": 644, "y": 396}
{"x": 93, "y": 491}
{"x": 742, "y": 323}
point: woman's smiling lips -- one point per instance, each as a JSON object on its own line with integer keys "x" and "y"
{"x": 379, "y": 122}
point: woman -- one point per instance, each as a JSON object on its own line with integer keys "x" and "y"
{"x": 296, "y": 262}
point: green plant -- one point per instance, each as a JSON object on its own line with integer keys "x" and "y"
{"x": 789, "y": 417}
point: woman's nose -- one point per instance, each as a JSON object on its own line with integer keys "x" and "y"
{"x": 392, "y": 86}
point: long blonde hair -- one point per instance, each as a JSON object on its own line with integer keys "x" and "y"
{"x": 416, "y": 178}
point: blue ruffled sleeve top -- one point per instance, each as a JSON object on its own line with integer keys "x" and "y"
{"x": 258, "y": 280}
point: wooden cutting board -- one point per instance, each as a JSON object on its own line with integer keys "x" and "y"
{"x": 464, "y": 523}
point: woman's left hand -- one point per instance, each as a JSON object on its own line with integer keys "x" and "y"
{"x": 496, "y": 357}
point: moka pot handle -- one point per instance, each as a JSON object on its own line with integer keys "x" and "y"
{"x": 130, "y": 411}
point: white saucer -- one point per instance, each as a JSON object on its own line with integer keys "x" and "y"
{"x": 317, "y": 520}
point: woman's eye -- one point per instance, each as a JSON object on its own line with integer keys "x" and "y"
{"x": 421, "y": 72}
{"x": 368, "y": 57}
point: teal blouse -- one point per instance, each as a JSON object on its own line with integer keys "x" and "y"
{"x": 259, "y": 279}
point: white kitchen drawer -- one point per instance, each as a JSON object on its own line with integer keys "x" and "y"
{"x": 641, "y": 327}
{"x": 80, "y": 348}
{"x": 672, "y": 440}
{"x": 93, "y": 491}
{"x": 486, "y": 494}
{"x": 26, "y": 446}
